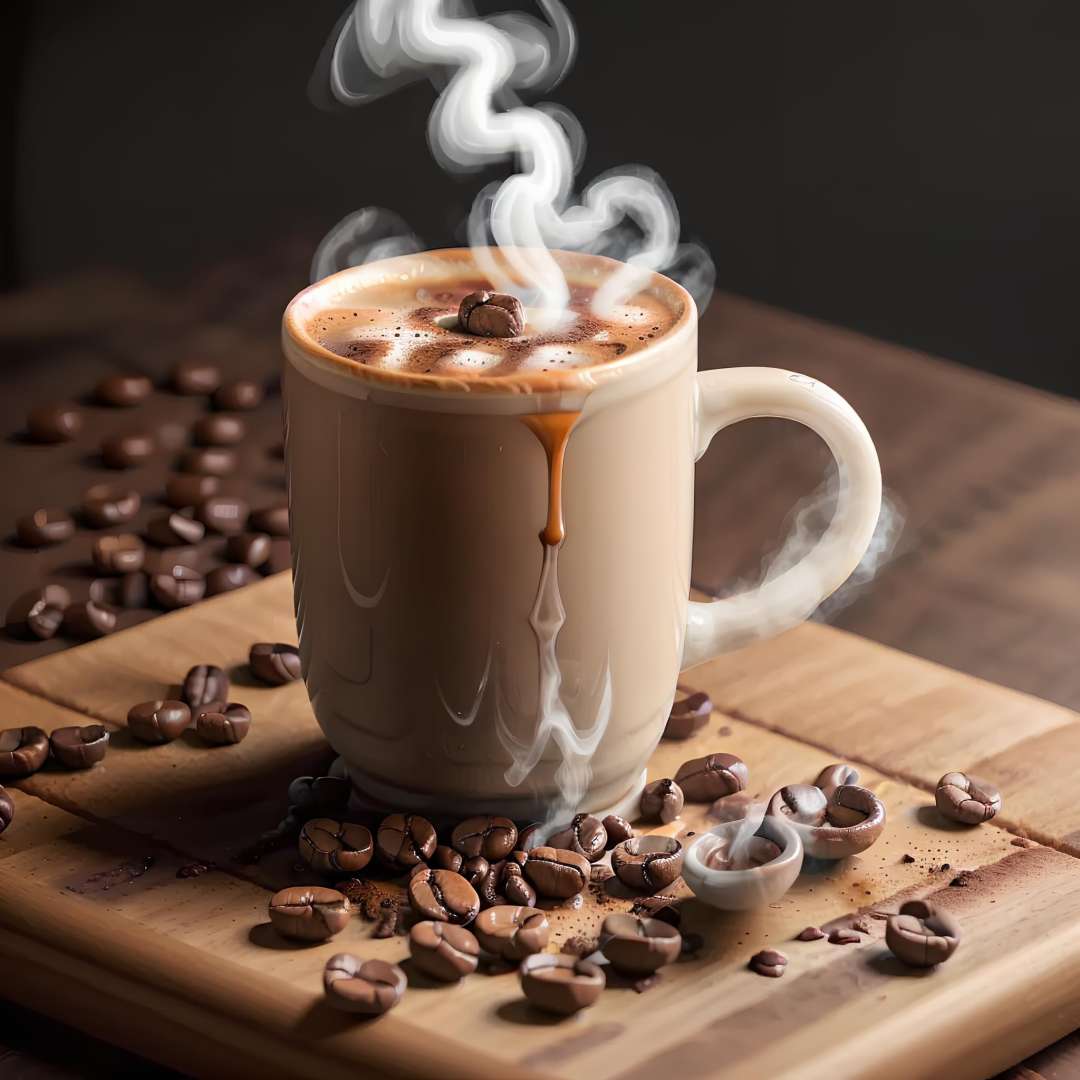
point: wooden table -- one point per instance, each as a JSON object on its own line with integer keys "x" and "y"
{"x": 981, "y": 578}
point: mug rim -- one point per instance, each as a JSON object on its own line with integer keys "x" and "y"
{"x": 315, "y": 297}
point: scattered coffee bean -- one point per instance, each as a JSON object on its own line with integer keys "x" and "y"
{"x": 219, "y": 429}
{"x": 193, "y": 377}
{"x": 585, "y": 834}
{"x": 405, "y": 840}
{"x": 556, "y": 873}
{"x": 512, "y": 931}
{"x": 120, "y": 554}
{"x": 768, "y": 962}
{"x": 39, "y": 612}
{"x": 54, "y": 423}
{"x": 309, "y": 912}
{"x": 491, "y": 314}
{"x": 46, "y": 526}
{"x": 708, "y": 778}
{"x": 648, "y": 863}
{"x": 208, "y": 461}
{"x": 127, "y": 451}
{"x": 272, "y": 520}
{"x": 249, "y": 548}
{"x": 474, "y": 870}
{"x": 23, "y": 751}
{"x": 158, "y": 722}
{"x": 443, "y": 951}
{"x": 834, "y": 776}
{"x": 442, "y": 895}
{"x": 803, "y": 803}
{"x": 7, "y": 809}
{"x": 274, "y": 663}
{"x": 109, "y": 504}
{"x": 127, "y": 591}
{"x": 89, "y": 620}
{"x": 842, "y": 936}
{"x": 183, "y": 490}
{"x": 223, "y": 514}
{"x": 689, "y": 714}
{"x": 176, "y": 529}
{"x": 618, "y": 829}
{"x": 529, "y": 836}
{"x": 122, "y": 390}
{"x": 922, "y": 935}
{"x": 446, "y": 858}
{"x": 223, "y": 724}
{"x": 203, "y": 684}
{"x": 227, "y": 578}
{"x": 492, "y": 837}
{"x": 561, "y": 984}
{"x": 662, "y": 800}
{"x": 811, "y": 933}
{"x": 240, "y": 395}
{"x": 639, "y": 946}
{"x": 178, "y": 587}
{"x": 966, "y": 799}
{"x": 79, "y": 747}
{"x": 335, "y": 847}
{"x": 370, "y": 987}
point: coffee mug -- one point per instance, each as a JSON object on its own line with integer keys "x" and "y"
{"x": 415, "y": 507}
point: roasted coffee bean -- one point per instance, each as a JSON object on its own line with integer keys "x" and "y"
{"x": 128, "y": 450}
{"x": 109, "y": 504}
{"x": 843, "y": 936}
{"x": 89, "y": 620}
{"x": 618, "y": 829}
{"x": 272, "y": 520}
{"x": 474, "y": 870}
{"x": 690, "y": 712}
{"x": 183, "y": 490}
{"x": 120, "y": 554}
{"x": 240, "y": 395}
{"x": 7, "y": 809}
{"x": 804, "y": 803}
{"x": 203, "y": 684}
{"x": 556, "y": 873}
{"x": 122, "y": 390}
{"x": 492, "y": 837}
{"x": 335, "y": 847}
{"x": 369, "y": 987}
{"x": 249, "y": 548}
{"x": 309, "y": 912}
{"x": 561, "y": 984}
{"x": 178, "y": 587}
{"x": 127, "y": 591}
{"x": 39, "y": 612}
{"x": 227, "y": 578}
{"x": 443, "y": 951}
{"x": 636, "y": 945}
{"x": 45, "y": 526}
{"x": 833, "y": 776}
{"x": 662, "y": 800}
{"x": 712, "y": 777}
{"x": 176, "y": 529}
{"x": 274, "y": 663}
{"x": 489, "y": 888}
{"x": 320, "y": 796}
{"x": 23, "y": 751}
{"x": 512, "y": 931}
{"x": 442, "y": 895}
{"x": 208, "y": 461}
{"x": 219, "y": 429}
{"x": 223, "y": 724}
{"x": 158, "y": 722}
{"x": 491, "y": 314}
{"x": 529, "y": 837}
{"x": 193, "y": 377}
{"x": 585, "y": 834}
{"x": 515, "y": 888}
{"x": 404, "y": 840}
{"x": 648, "y": 863}
{"x": 446, "y": 858}
{"x": 811, "y": 933}
{"x": 223, "y": 514}
{"x": 79, "y": 747}
{"x": 966, "y": 799}
{"x": 54, "y": 423}
{"x": 922, "y": 935}
{"x": 769, "y": 963}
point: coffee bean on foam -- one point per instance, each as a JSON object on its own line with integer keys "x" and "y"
{"x": 442, "y": 950}
{"x": 49, "y": 525}
{"x": 561, "y": 984}
{"x": 195, "y": 377}
{"x": 491, "y": 314}
{"x": 648, "y": 863}
{"x": 369, "y": 987}
{"x": 53, "y": 423}
{"x": 922, "y": 934}
{"x": 38, "y": 612}
{"x": 335, "y": 847}
{"x": 834, "y": 776}
{"x": 122, "y": 390}
{"x": 88, "y": 620}
{"x": 442, "y": 895}
{"x": 768, "y": 962}
{"x": 176, "y": 529}
{"x": 512, "y": 931}
{"x": 203, "y": 684}
{"x": 128, "y": 450}
{"x": 309, "y": 912}
{"x": 110, "y": 504}
{"x": 79, "y": 747}
{"x": 23, "y": 750}
{"x": 966, "y": 799}
{"x": 708, "y": 778}
{"x": 208, "y": 461}
{"x": 122, "y": 553}
{"x": 7, "y": 809}
{"x": 223, "y": 723}
{"x": 688, "y": 715}
{"x": 618, "y": 829}
{"x": 158, "y": 722}
{"x": 405, "y": 840}
{"x": 662, "y": 800}
{"x": 238, "y": 395}
{"x": 585, "y": 834}
{"x": 177, "y": 587}
{"x": 556, "y": 873}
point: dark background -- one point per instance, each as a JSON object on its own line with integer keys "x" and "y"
{"x": 908, "y": 169}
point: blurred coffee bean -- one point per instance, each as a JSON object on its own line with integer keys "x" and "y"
{"x": 219, "y": 429}
{"x": 309, "y": 912}
{"x": 618, "y": 830}
{"x": 208, "y": 461}
{"x": 249, "y": 548}
{"x": 662, "y": 800}
{"x": 175, "y": 529}
{"x": 46, "y": 526}
{"x": 690, "y": 712}
{"x": 203, "y": 684}
{"x": 274, "y": 663}
{"x": 561, "y": 984}
{"x": 119, "y": 554}
{"x": 89, "y": 620}
{"x": 127, "y": 451}
{"x": 223, "y": 514}
{"x": 769, "y": 963}
{"x": 966, "y": 799}
{"x": 557, "y": 873}
{"x": 226, "y": 578}
{"x": 7, "y": 809}
{"x": 193, "y": 377}
{"x": 110, "y": 504}
{"x": 238, "y": 395}
{"x": 442, "y": 895}
{"x": 122, "y": 390}
{"x": 335, "y": 847}
{"x": 54, "y": 423}
{"x": 158, "y": 721}
{"x": 79, "y": 747}
{"x": 637, "y": 945}
{"x": 178, "y": 587}
{"x": 273, "y": 520}
{"x": 223, "y": 725}
{"x": 280, "y": 557}
{"x": 708, "y": 778}
{"x": 442, "y": 950}
{"x": 492, "y": 837}
{"x": 368, "y": 987}
{"x": 128, "y": 591}
{"x": 446, "y": 858}
{"x": 405, "y": 840}
{"x": 183, "y": 490}
{"x": 39, "y": 612}
{"x": 23, "y": 751}
{"x": 585, "y": 834}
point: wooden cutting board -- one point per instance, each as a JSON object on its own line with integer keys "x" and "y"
{"x": 101, "y": 927}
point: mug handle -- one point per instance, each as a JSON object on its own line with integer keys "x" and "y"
{"x": 732, "y": 394}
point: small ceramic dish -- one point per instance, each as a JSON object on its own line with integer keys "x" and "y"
{"x": 736, "y": 869}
